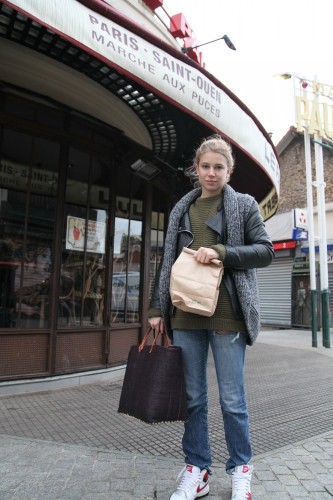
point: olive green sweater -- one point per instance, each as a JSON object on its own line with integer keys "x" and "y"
{"x": 223, "y": 319}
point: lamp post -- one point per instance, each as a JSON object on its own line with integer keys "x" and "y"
{"x": 311, "y": 237}
{"x": 320, "y": 184}
{"x": 227, "y": 40}
{"x": 313, "y": 126}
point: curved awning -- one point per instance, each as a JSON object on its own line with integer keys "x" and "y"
{"x": 178, "y": 101}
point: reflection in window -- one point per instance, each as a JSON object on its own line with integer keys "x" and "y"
{"x": 156, "y": 247}
{"x": 26, "y": 264}
{"x": 24, "y": 282}
{"x": 126, "y": 271}
{"x": 81, "y": 295}
{"x": 82, "y": 277}
{"x": 32, "y": 284}
{"x": 27, "y": 212}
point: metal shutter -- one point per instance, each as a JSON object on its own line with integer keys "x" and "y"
{"x": 274, "y": 284}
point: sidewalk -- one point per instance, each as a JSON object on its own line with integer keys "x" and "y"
{"x": 72, "y": 443}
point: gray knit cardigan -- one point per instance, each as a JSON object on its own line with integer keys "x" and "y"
{"x": 236, "y": 208}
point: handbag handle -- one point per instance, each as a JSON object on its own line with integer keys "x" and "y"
{"x": 217, "y": 262}
{"x": 165, "y": 339}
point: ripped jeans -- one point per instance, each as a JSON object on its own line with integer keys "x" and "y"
{"x": 229, "y": 353}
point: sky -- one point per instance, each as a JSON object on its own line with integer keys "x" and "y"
{"x": 271, "y": 37}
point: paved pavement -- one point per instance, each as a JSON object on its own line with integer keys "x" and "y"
{"x": 72, "y": 443}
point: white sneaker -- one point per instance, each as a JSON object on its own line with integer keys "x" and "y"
{"x": 193, "y": 483}
{"x": 241, "y": 482}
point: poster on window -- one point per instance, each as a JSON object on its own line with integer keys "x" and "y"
{"x": 76, "y": 235}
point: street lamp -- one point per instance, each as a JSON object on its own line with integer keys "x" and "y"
{"x": 320, "y": 185}
{"x": 224, "y": 37}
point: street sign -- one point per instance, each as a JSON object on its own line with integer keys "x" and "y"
{"x": 300, "y": 218}
{"x": 299, "y": 234}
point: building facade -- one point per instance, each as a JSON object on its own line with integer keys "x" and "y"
{"x": 285, "y": 286}
{"x": 100, "y": 113}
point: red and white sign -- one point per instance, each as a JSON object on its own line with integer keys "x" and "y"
{"x": 79, "y": 233}
{"x": 300, "y": 218}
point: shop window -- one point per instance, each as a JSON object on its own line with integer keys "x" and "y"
{"x": 82, "y": 280}
{"x": 126, "y": 267}
{"x": 127, "y": 247}
{"x": 83, "y": 269}
{"x": 156, "y": 247}
{"x": 20, "y": 107}
{"x": 16, "y": 152}
{"x": 27, "y": 213}
{"x": 50, "y": 117}
{"x": 80, "y": 127}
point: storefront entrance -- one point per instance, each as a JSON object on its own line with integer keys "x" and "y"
{"x": 73, "y": 274}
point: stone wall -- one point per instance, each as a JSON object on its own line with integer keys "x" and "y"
{"x": 293, "y": 192}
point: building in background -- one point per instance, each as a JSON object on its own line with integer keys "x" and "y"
{"x": 285, "y": 286}
{"x": 100, "y": 112}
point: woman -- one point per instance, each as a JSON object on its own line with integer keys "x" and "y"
{"x": 216, "y": 222}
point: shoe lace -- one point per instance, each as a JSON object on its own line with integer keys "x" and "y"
{"x": 241, "y": 486}
{"x": 188, "y": 480}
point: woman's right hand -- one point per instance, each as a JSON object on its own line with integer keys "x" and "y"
{"x": 157, "y": 324}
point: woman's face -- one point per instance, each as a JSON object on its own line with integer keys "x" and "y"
{"x": 213, "y": 173}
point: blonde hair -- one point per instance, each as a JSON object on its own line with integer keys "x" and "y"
{"x": 215, "y": 144}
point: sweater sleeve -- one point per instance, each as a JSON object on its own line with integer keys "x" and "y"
{"x": 154, "y": 313}
{"x": 221, "y": 250}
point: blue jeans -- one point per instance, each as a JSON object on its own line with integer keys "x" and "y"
{"x": 229, "y": 353}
